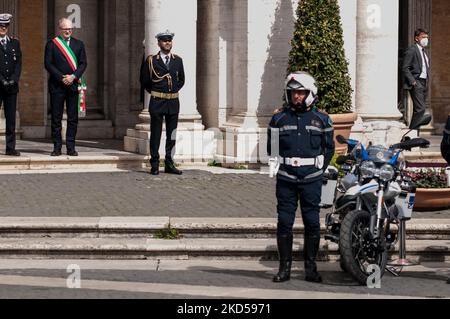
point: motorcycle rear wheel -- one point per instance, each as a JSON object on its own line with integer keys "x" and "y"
{"x": 358, "y": 251}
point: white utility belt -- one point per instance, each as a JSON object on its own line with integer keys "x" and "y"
{"x": 318, "y": 162}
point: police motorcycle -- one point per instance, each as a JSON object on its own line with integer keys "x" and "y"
{"x": 371, "y": 204}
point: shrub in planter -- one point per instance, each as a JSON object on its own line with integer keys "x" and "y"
{"x": 318, "y": 48}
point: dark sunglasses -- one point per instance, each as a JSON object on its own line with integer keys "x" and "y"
{"x": 4, "y": 26}
{"x": 165, "y": 40}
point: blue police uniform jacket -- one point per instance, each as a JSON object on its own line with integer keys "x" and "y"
{"x": 305, "y": 135}
{"x": 445, "y": 146}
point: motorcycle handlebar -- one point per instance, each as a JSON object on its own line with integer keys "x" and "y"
{"x": 408, "y": 145}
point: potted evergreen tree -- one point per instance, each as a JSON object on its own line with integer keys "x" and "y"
{"x": 318, "y": 48}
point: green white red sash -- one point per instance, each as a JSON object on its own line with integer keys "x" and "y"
{"x": 73, "y": 62}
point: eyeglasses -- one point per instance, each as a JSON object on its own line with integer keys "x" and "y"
{"x": 166, "y": 40}
{"x": 4, "y": 26}
{"x": 68, "y": 29}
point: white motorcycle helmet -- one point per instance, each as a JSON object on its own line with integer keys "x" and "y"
{"x": 302, "y": 81}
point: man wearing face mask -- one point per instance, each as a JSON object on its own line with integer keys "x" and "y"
{"x": 300, "y": 146}
{"x": 416, "y": 71}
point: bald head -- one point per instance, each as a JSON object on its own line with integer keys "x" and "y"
{"x": 65, "y": 28}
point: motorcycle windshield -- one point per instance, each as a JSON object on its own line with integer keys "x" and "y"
{"x": 380, "y": 155}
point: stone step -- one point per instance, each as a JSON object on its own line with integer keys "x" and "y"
{"x": 220, "y": 248}
{"x": 186, "y": 228}
{"x": 36, "y": 162}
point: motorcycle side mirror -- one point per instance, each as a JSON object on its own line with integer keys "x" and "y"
{"x": 426, "y": 119}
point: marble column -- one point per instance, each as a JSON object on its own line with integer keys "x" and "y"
{"x": 260, "y": 44}
{"x": 377, "y": 71}
{"x": 193, "y": 142}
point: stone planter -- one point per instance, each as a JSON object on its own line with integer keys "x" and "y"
{"x": 432, "y": 199}
{"x": 343, "y": 124}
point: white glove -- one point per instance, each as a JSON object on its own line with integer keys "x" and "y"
{"x": 320, "y": 162}
{"x": 274, "y": 166}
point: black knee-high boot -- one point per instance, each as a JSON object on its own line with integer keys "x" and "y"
{"x": 285, "y": 252}
{"x": 311, "y": 249}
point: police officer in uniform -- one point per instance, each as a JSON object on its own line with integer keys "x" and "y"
{"x": 162, "y": 75}
{"x": 301, "y": 146}
{"x": 10, "y": 69}
{"x": 445, "y": 145}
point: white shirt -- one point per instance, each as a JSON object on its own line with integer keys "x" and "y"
{"x": 163, "y": 57}
{"x": 6, "y": 39}
{"x": 424, "y": 74}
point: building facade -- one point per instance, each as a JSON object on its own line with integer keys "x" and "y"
{"x": 235, "y": 54}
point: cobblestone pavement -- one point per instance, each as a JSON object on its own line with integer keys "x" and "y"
{"x": 210, "y": 279}
{"x": 195, "y": 194}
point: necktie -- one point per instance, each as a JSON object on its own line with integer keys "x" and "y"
{"x": 426, "y": 60}
{"x": 167, "y": 61}
{"x": 4, "y": 43}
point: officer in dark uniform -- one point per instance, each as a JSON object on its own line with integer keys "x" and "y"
{"x": 301, "y": 146}
{"x": 10, "y": 69}
{"x": 445, "y": 146}
{"x": 162, "y": 75}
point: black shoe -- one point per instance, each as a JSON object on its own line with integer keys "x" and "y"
{"x": 72, "y": 153}
{"x": 56, "y": 153}
{"x": 154, "y": 171}
{"x": 171, "y": 169}
{"x": 311, "y": 249}
{"x": 285, "y": 251}
{"x": 12, "y": 153}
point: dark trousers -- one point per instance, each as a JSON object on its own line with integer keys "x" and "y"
{"x": 9, "y": 102}
{"x": 288, "y": 196}
{"x": 157, "y": 120}
{"x": 419, "y": 96}
{"x": 70, "y": 98}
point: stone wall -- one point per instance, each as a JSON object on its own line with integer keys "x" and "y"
{"x": 440, "y": 60}
{"x": 33, "y": 97}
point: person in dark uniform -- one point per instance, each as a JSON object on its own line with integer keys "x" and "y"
{"x": 10, "y": 69}
{"x": 63, "y": 85}
{"x": 300, "y": 146}
{"x": 162, "y": 75}
{"x": 445, "y": 145}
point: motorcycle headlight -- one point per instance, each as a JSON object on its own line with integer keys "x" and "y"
{"x": 387, "y": 173}
{"x": 367, "y": 170}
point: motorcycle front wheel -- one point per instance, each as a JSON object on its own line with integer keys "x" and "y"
{"x": 357, "y": 248}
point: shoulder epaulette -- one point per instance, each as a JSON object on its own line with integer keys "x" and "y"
{"x": 322, "y": 112}
{"x": 278, "y": 111}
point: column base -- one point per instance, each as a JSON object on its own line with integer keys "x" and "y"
{"x": 88, "y": 129}
{"x": 240, "y": 145}
{"x": 19, "y": 131}
{"x": 380, "y": 129}
{"x": 194, "y": 143}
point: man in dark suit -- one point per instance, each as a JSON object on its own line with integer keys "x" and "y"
{"x": 65, "y": 71}
{"x": 416, "y": 72}
{"x": 162, "y": 75}
{"x": 10, "y": 69}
